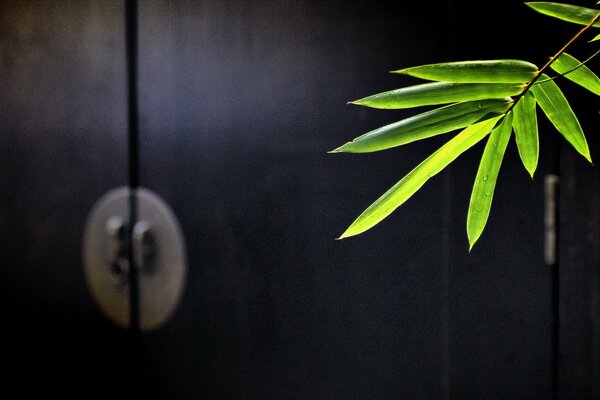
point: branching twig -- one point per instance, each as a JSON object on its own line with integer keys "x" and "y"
{"x": 553, "y": 58}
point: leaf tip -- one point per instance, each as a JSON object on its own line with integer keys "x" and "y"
{"x": 341, "y": 149}
{"x": 345, "y": 235}
{"x": 473, "y": 237}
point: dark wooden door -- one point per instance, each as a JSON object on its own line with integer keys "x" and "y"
{"x": 240, "y": 101}
{"x": 62, "y": 144}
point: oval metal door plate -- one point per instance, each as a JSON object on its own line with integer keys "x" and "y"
{"x": 159, "y": 253}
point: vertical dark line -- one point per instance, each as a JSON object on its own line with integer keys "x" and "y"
{"x": 133, "y": 143}
{"x": 132, "y": 93}
{"x": 131, "y": 47}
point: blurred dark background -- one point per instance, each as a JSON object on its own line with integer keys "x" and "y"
{"x": 239, "y": 101}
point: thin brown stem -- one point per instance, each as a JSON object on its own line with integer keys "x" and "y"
{"x": 554, "y": 57}
{"x": 581, "y": 64}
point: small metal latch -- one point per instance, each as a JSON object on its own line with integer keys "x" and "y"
{"x": 550, "y": 218}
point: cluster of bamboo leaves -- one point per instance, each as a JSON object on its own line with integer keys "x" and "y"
{"x": 484, "y": 99}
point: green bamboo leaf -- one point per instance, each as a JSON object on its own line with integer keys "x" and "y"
{"x": 485, "y": 181}
{"x": 526, "y": 132}
{"x": 484, "y": 71}
{"x": 415, "y": 179}
{"x": 576, "y": 72}
{"x": 439, "y": 93}
{"x": 597, "y": 37}
{"x": 556, "y": 107}
{"x": 566, "y": 12}
{"x": 421, "y": 126}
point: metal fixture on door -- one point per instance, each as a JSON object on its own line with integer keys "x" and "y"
{"x": 158, "y": 252}
{"x": 550, "y": 218}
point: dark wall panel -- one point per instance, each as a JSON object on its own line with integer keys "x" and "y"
{"x": 62, "y": 145}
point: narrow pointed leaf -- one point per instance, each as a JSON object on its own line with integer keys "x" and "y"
{"x": 485, "y": 181}
{"x": 556, "y": 107}
{"x": 566, "y": 12}
{"x": 526, "y": 132}
{"x": 439, "y": 93}
{"x": 597, "y": 37}
{"x": 577, "y": 72}
{"x": 415, "y": 179}
{"x": 421, "y": 126}
{"x": 483, "y": 71}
